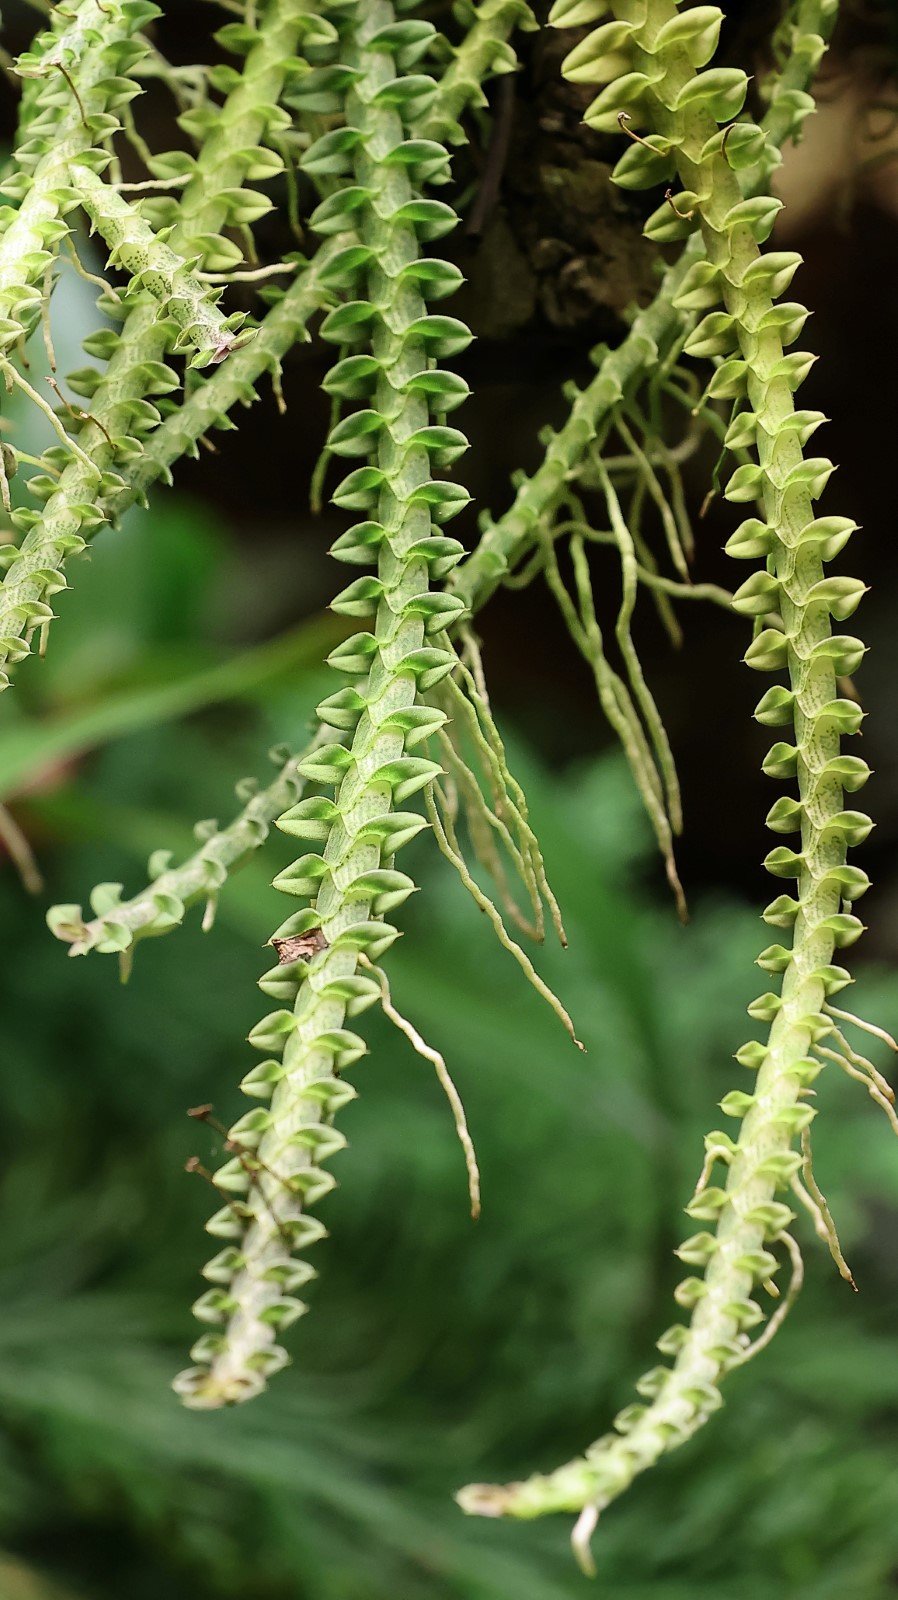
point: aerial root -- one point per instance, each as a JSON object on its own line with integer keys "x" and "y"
{"x": 581, "y": 1540}
{"x": 20, "y": 852}
{"x": 814, "y": 1201}
{"x": 614, "y": 697}
{"x": 775, "y": 1322}
{"x": 469, "y": 698}
{"x": 641, "y": 691}
{"x": 14, "y": 377}
{"x": 438, "y": 1063}
{"x": 866, "y": 1027}
{"x": 652, "y": 485}
{"x": 444, "y": 832}
{"x": 486, "y": 830}
{"x": 863, "y": 1071}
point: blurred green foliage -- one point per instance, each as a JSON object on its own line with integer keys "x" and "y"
{"x": 436, "y": 1350}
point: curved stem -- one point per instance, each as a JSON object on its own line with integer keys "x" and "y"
{"x": 686, "y": 107}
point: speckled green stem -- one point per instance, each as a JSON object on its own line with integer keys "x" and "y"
{"x": 118, "y": 925}
{"x": 121, "y": 409}
{"x": 76, "y": 75}
{"x": 204, "y": 332}
{"x": 501, "y": 545}
{"x": 352, "y": 883}
{"x": 121, "y": 399}
{"x": 671, "y": 99}
{"x": 209, "y": 405}
{"x": 484, "y": 52}
{"x": 508, "y": 540}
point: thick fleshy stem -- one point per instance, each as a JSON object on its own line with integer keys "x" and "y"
{"x": 159, "y": 271}
{"x": 118, "y": 925}
{"x": 686, "y": 107}
{"x": 136, "y": 370}
{"x": 34, "y": 572}
{"x": 79, "y": 502}
{"x": 76, "y": 76}
{"x": 508, "y": 541}
{"x": 209, "y": 404}
{"x": 512, "y": 537}
{"x": 352, "y": 883}
{"x": 33, "y": 575}
{"x": 484, "y": 52}
{"x": 505, "y": 543}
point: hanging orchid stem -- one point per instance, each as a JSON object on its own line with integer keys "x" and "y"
{"x": 204, "y": 331}
{"x": 96, "y": 42}
{"x": 351, "y": 884}
{"x": 684, "y": 107}
{"x": 236, "y": 146}
{"x": 438, "y": 1063}
{"x": 337, "y": 93}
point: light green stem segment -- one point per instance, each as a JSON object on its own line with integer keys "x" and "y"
{"x": 209, "y": 404}
{"x": 483, "y": 52}
{"x": 83, "y": 502}
{"x": 353, "y": 881}
{"x": 503, "y": 543}
{"x": 513, "y": 536}
{"x": 162, "y": 904}
{"x": 158, "y": 270}
{"x": 120, "y": 409}
{"x": 75, "y": 78}
{"x": 749, "y": 1216}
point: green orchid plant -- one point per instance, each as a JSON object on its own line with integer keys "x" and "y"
{"x": 357, "y": 104}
